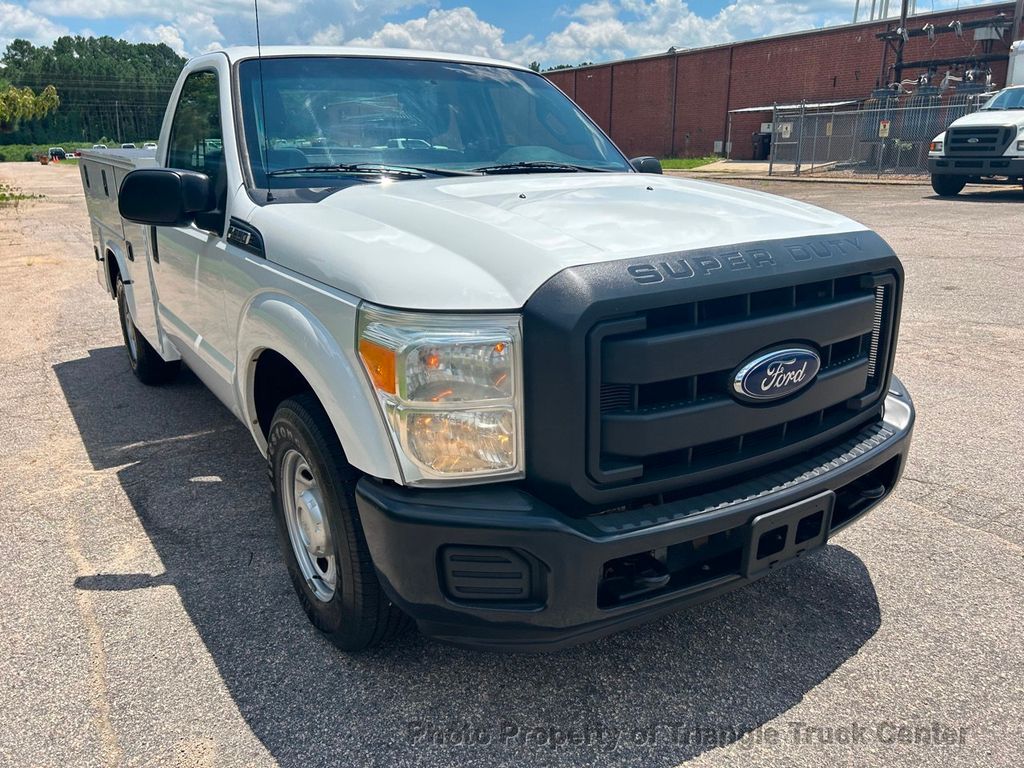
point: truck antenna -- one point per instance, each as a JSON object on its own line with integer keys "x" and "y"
{"x": 265, "y": 144}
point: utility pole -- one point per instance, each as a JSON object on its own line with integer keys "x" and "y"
{"x": 117, "y": 118}
{"x": 898, "y": 67}
{"x": 1018, "y": 17}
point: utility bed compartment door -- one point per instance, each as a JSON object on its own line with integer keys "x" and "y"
{"x": 138, "y": 250}
{"x": 100, "y": 186}
{"x": 100, "y": 181}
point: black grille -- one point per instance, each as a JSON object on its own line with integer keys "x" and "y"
{"x": 626, "y": 365}
{"x": 980, "y": 141}
{"x": 665, "y": 408}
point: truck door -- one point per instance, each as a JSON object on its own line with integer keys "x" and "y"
{"x": 187, "y": 279}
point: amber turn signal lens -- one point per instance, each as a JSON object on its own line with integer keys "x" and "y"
{"x": 380, "y": 364}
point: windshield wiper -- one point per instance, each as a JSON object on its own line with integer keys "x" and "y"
{"x": 544, "y": 166}
{"x": 408, "y": 171}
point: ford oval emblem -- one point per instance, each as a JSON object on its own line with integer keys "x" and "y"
{"x": 775, "y": 375}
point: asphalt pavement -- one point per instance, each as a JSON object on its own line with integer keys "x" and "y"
{"x": 147, "y": 618}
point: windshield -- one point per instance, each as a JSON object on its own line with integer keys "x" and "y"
{"x": 326, "y": 112}
{"x": 1011, "y": 98}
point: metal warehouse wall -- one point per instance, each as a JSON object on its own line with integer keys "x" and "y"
{"x": 632, "y": 100}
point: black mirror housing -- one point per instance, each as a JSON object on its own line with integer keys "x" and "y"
{"x": 165, "y": 197}
{"x": 646, "y": 164}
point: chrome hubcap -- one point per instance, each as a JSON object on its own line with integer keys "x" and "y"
{"x": 308, "y": 528}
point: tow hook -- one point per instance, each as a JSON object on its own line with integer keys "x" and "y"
{"x": 871, "y": 494}
{"x": 629, "y": 577}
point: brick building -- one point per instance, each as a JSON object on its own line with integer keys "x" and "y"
{"x": 677, "y": 104}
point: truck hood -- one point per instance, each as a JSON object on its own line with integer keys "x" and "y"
{"x": 489, "y": 242}
{"x": 990, "y": 117}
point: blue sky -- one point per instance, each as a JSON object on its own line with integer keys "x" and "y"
{"x": 549, "y": 31}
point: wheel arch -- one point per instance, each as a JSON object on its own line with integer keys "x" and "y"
{"x": 116, "y": 265}
{"x": 283, "y": 349}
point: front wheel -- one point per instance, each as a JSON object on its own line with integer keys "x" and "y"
{"x": 324, "y": 545}
{"x": 146, "y": 363}
{"x": 946, "y": 185}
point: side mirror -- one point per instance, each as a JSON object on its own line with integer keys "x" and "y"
{"x": 646, "y": 164}
{"x": 165, "y": 197}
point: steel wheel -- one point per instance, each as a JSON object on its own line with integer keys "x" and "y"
{"x": 325, "y": 550}
{"x": 309, "y": 530}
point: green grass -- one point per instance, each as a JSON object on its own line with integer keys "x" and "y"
{"x": 11, "y": 195}
{"x": 16, "y": 153}
{"x": 687, "y": 163}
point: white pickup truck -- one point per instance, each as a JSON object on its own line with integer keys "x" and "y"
{"x": 509, "y": 383}
{"x": 987, "y": 145}
{"x": 981, "y": 147}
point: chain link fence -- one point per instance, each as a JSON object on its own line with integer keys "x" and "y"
{"x": 882, "y": 137}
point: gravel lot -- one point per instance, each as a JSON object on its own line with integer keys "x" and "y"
{"x": 147, "y": 618}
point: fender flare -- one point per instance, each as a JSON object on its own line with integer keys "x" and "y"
{"x": 113, "y": 247}
{"x": 279, "y": 323}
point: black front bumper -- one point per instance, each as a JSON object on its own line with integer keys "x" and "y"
{"x": 1011, "y": 167}
{"x": 494, "y": 567}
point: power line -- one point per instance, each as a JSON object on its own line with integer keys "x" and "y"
{"x": 91, "y": 81}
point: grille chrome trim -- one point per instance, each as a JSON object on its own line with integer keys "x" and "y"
{"x": 876, "y": 330}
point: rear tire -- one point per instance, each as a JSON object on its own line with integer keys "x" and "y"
{"x": 324, "y": 546}
{"x": 146, "y": 363}
{"x": 946, "y": 185}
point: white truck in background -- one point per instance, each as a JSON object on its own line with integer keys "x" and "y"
{"x": 987, "y": 145}
{"x": 509, "y": 383}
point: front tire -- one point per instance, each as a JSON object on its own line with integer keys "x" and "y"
{"x": 946, "y": 185}
{"x": 146, "y": 363}
{"x": 324, "y": 546}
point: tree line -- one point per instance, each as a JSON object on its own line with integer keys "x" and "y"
{"x": 22, "y": 104}
{"x": 106, "y": 88}
{"x": 535, "y": 66}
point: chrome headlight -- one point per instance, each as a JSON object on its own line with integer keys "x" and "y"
{"x": 450, "y": 387}
{"x": 935, "y": 146}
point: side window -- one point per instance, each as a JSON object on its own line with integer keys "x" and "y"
{"x": 197, "y": 140}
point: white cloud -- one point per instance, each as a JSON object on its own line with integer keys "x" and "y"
{"x": 591, "y": 30}
{"x": 604, "y": 30}
{"x": 186, "y": 34}
{"x": 162, "y": 33}
{"x": 458, "y": 29}
{"x": 603, "y": 9}
{"x": 332, "y": 34}
{"x": 19, "y": 22}
{"x": 150, "y": 9}
{"x": 282, "y": 21}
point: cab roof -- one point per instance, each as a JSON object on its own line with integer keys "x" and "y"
{"x": 240, "y": 53}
